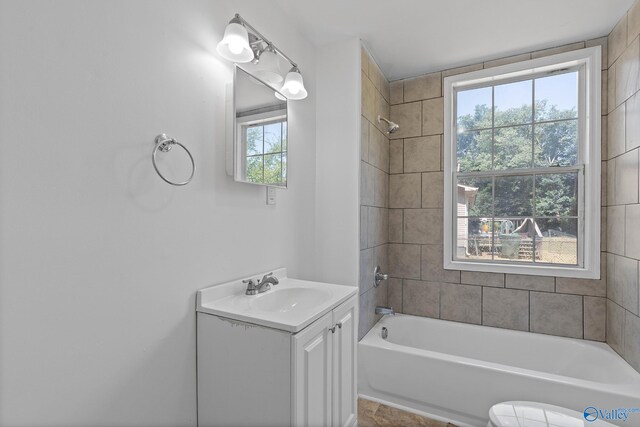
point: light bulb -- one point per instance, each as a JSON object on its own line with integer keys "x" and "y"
{"x": 235, "y": 46}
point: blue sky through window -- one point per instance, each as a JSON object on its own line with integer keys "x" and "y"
{"x": 560, "y": 90}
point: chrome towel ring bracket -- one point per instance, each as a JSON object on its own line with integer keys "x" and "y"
{"x": 164, "y": 144}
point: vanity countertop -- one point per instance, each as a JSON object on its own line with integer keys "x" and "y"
{"x": 290, "y": 306}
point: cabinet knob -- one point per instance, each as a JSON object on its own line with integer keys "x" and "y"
{"x": 339, "y": 325}
{"x": 333, "y": 330}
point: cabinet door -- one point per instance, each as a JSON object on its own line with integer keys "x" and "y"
{"x": 312, "y": 374}
{"x": 345, "y": 391}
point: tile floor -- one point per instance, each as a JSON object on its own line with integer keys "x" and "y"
{"x": 373, "y": 414}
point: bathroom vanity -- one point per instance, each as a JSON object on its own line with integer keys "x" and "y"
{"x": 284, "y": 357}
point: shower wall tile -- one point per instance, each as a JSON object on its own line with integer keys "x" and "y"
{"x": 628, "y": 72}
{"x": 505, "y": 308}
{"x": 632, "y": 124}
{"x": 461, "y": 303}
{"x": 368, "y": 99}
{"x": 364, "y": 223}
{"x": 604, "y": 183}
{"x": 396, "y": 156}
{"x": 616, "y": 229}
{"x": 507, "y": 60}
{"x": 631, "y": 223}
{"x": 364, "y": 139}
{"x": 395, "y": 225}
{"x": 366, "y": 269}
{"x": 422, "y": 154}
{"x": 615, "y": 132}
{"x": 632, "y": 340}
{"x": 378, "y": 226}
{"x": 483, "y": 279}
{"x": 611, "y": 89}
{"x": 409, "y": 117}
{"x": 433, "y": 190}
{"x": 366, "y": 183}
{"x": 461, "y": 70}
{"x": 624, "y": 290}
{"x": 557, "y": 50}
{"x": 557, "y": 314}
{"x": 626, "y": 176}
{"x": 422, "y": 226}
{"x": 405, "y": 191}
{"x": 378, "y": 149}
{"x": 531, "y": 283}
{"x": 421, "y": 298}
{"x": 595, "y": 318}
{"x": 422, "y": 87}
{"x": 611, "y": 182}
{"x": 617, "y": 40}
{"x": 604, "y": 88}
{"x": 615, "y": 326}
{"x": 433, "y": 116}
{"x": 397, "y": 92}
{"x": 633, "y": 21}
{"x": 404, "y": 261}
{"x": 394, "y": 294}
{"x": 380, "y": 188}
{"x": 591, "y": 287}
{"x": 432, "y": 266}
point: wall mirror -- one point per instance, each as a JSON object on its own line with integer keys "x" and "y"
{"x": 260, "y": 134}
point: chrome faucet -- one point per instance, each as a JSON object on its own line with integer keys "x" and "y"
{"x": 262, "y": 286}
{"x": 385, "y": 310}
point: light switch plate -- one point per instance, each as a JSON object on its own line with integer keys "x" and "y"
{"x": 271, "y": 195}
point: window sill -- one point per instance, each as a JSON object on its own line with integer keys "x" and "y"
{"x": 538, "y": 270}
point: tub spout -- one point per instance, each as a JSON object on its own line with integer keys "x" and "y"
{"x": 385, "y": 310}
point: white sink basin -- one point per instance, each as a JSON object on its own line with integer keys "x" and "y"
{"x": 290, "y": 306}
{"x": 288, "y": 299}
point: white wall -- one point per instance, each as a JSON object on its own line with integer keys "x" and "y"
{"x": 99, "y": 259}
{"x": 338, "y": 151}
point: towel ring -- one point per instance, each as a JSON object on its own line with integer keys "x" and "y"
{"x": 164, "y": 144}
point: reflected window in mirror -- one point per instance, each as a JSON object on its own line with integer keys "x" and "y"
{"x": 265, "y": 151}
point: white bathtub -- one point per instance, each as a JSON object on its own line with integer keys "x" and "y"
{"x": 454, "y": 371}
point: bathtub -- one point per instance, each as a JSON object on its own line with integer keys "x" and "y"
{"x": 455, "y": 372}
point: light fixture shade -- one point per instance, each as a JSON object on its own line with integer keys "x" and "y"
{"x": 234, "y": 46}
{"x": 279, "y": 96}
{"x": 293, "y": 87}
{"x": 269, "y": 68}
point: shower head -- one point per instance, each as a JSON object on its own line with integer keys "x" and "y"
{"x": 392, "y": 127}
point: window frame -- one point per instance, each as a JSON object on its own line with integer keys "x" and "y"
{"x": 588, "y": 64}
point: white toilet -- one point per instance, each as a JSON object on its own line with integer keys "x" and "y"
{"x": 533, "y": 414}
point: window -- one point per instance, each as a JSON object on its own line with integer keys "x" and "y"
{"x": 522, "y": 167}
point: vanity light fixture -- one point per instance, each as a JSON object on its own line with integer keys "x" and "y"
{"x": 234, "y": 46}
{"x": 293, "y": 87}
{"x": 268, "y": 67}
{"x": 242, "y": 43}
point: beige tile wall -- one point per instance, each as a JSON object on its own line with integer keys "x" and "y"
{"x": 623, "y": 210}
{"x": 374, "y": 190}
{"x": 420, "y": 286}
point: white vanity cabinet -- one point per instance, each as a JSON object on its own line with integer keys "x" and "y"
{"x": 324, "y": 370}
{"x": 272, "y": 374}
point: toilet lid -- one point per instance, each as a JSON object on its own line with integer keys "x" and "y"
{"x": 533, "y": 414}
